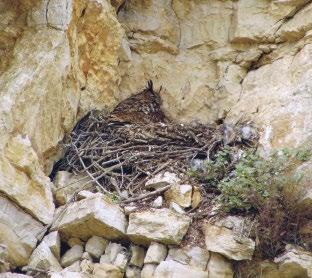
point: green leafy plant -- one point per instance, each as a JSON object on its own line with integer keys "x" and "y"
{"x": 268, "y": 188}
{"x": 261, "y": 177}
{"x": 213, "y": 170}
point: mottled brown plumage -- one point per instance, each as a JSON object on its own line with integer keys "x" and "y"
{"x": 141, "y": 108}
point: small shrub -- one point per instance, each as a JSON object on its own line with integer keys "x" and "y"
{"x": 256, "y": 176}
{"x": 269, "y": 188}
{"x": 213, "y": 170}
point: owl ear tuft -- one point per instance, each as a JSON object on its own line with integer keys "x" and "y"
{"x": 150, "y": 86}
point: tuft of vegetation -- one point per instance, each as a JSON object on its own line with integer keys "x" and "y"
{"x": 260, "y": 177}
{"x": 214, "y": 170}
{"x": 270, "y": 188}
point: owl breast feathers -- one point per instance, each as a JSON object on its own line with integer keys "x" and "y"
{"x": 140, "y": 108}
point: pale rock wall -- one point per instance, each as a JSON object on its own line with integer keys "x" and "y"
{"x": 215, "y": 59}
{"x": 60, "y": 59}
{"x": 245, "y": 59}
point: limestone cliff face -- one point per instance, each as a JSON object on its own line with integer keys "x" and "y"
{"x": 215, "y": 59}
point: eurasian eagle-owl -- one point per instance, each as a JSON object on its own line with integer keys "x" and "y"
{"x": 141, "y": 108}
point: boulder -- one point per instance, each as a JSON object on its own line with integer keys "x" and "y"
{"x": 72, "y": 255}
{"x": 137, "y": 256}
{"x": 111, "y": 252}
{"x": 19, "y": 232}
{"x": 121, "y": 261}
{"x": 198, "y": 257}
{"x": 107, "y": 271}
{"x": 148, "y": 270}
{"x": 168, "y": 269}
{"x": 53, "y": 241}
{"x": 179, "y": 255}
{"x": 295, "y": 262}
{"x": 180, "y": 194}
{"x": 96, "y": 245}
{"x": 23, "y": 180}
{"x": 219, "y": 266}
{"x": 156, "y": 253}
{"x": 195, "y": 257}
{"x": 222, "y": 240}
{"x": 92, "y": 216}
{"x": 162, "y": 179}
{"x": 43, "y": 258}
{"x": 161, "y": 225}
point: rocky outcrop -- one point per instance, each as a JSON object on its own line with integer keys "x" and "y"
{"x": 283, "y": 87}
{"x": 215, "y": 60}
{"x": 228, "y": 54}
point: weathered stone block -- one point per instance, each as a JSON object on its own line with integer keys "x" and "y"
{"x": 224, "y": 241}
{"x": 19, "y": 232}
{"x": 92, "y": 216}
{"x": 161, "y": 225}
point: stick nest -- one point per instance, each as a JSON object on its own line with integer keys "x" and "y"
{"x": 120, "y": 157}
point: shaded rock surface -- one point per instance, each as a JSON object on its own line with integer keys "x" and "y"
{"x": 72, "y": 255}
{"x": 95, "y": 246}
